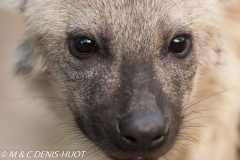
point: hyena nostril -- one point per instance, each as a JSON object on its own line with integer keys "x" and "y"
{"x": 130, "y": 139}
{"x": 158, "y": 138}
{"x": 161, "y": 137}
{"x": 142, "y": 130}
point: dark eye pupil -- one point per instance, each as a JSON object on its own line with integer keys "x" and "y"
{"x": 84, "y": 45}
{"x": 178, "y": 44}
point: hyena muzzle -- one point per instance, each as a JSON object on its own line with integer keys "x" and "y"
{"x": 127, "y": 69}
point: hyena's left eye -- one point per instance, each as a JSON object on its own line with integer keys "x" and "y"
{"x": 82, "y": 46}
{"x": 180, "y": 46}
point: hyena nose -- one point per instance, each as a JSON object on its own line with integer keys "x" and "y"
{"x": 143, "y": 130}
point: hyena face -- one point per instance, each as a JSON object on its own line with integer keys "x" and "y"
{"x": 126, "y": 68}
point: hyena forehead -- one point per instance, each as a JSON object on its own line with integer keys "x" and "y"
{"x": 144, "y": 24}
{"x": 95, "y": 17}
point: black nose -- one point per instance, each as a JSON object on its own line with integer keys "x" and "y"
{"x": 143, "y": 130}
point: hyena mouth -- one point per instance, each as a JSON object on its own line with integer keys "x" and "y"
{"x": 141, "y": 124}
{"x": 141, "y": 135}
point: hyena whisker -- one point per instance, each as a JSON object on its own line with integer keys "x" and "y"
{"x": 190, "y": 137}
{"x": 71, "y": 140}
{"x": 218, "y": 109}
{"x": 191, "y": 105}
{"x": 197, "y": 141}
{"x": 76, "y": 138}
{"x": 190, "y": 130}
{"x": 183, "y": 150}
{"x": 96, "y": 153}
{"x": 197, "y": 118}
{"x": 62, "y": 134}
{"x": 171, "y": 154}
{"x": 103, "y": 157}
{"x": 200, "y": 96}
{"x": 208, "y": 96}
{"x": 198, "y": 128}
{"x": 193, "y": 133}
{"x": 205, "y": 110}
{"x": 60, "y": 128}
{"x": 60, "y": 138}
{"x": 165, "y": 157}
{"x": 74, "y": 129}
{"x": 71, "y": 144}
{"x": 103, "y": 143}
{"x": 193, "y": 129}
{"x": 69, "y": 123}
{"x": 190, "y": 114}
{"x": 185, "y": 136}
{"x": 87, "y": 147}
{"x": 75, "y": 142}
{"x": 62, "y": 123}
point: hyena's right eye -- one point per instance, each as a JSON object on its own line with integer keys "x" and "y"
{"x": 180, "y": 45}
{"x": 82, "y": 46}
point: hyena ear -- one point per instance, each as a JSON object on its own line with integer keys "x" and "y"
{"x": 28, "y": 62}
{"x": 16, "y": 6}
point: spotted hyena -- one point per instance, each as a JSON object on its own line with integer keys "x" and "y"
{"x": 144, "y": 79}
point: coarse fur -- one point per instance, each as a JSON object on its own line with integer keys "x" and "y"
{"x": 133, "y": 70}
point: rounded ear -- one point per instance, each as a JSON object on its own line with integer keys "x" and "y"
{"x": 16, "y": 6}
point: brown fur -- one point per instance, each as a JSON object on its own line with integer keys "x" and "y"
{"x": 204, "y": 85}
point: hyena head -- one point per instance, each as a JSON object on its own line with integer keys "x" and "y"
{"x": 126, "y": 68}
